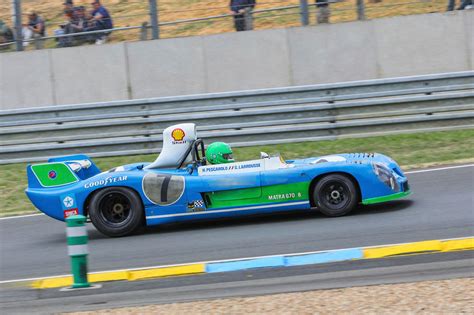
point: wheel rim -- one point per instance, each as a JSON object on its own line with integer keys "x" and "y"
{"x": 115, "y": 209}
{"x": 335, "y": 195}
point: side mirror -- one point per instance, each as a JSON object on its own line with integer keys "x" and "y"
{"x": 264, "y": 155}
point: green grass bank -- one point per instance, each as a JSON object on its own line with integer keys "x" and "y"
{"x": 409, "y": 150}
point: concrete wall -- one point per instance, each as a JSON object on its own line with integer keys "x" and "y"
{"x": 389, "y": 47}
{"x": 90, "y": 73}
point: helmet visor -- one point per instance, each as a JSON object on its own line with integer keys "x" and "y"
{"x": 228, "y": 156}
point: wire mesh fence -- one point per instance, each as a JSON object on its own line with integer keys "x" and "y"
{"x": 181, "y": 18}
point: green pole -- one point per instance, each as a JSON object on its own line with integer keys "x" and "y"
{"x": 77, "y": 249}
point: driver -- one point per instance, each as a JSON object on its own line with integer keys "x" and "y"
{"x": 219, "y": 152}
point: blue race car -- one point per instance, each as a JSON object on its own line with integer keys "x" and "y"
{"x": 187, "y": 182}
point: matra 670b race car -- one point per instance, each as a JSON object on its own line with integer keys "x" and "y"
{"x": 183, "y": 185}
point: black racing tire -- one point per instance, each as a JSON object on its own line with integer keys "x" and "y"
{"x": 116, "y": 211}
{"x": 335, "y": 195}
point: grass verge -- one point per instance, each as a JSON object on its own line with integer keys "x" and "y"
{"x": 409, "y": 150}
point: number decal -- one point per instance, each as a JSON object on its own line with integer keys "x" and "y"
{"x": 163, "y": 190}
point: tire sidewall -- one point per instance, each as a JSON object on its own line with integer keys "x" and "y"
{"x": 133, "y": 222}
{"x": 352, "y": 195}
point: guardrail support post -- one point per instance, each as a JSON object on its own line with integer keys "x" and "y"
{"x": 77, "y": 250}
{"x": 154, "y": 19}
{"x": 16, "y": 5}
{"x": 144, "y": 31}
{"x": 360, "y": 10}
{"x": 304, "y": 12}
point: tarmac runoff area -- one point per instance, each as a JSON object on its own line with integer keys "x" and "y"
{"x": 428, "y": 297}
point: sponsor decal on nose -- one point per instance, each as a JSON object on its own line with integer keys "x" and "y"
{"x": 68, "y": 202}
{"x": 70, "y": 212}
{"x": 52, "y": 175}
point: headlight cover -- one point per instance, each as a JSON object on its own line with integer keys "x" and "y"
{"x": 386, "y": 176}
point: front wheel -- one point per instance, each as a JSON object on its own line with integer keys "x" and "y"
{"x": 116, "y": 211}
{"x": 335, "y": 195}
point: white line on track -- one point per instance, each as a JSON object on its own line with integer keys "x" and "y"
{"x": 230, "y": 260}
{"x": 409, "y": 172}
{"x": 439, "y": 169}
{"x": 22, "y": 216}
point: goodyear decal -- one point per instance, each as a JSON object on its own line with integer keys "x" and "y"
{"x": 106, "y": 181}
{"x": 53, "y": 174}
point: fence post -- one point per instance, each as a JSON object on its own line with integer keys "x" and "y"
{"x": 38, "y": 43}
{"x": 248, "y": 19}
{"x": 360, "y": 10}
{"x": 154, "y": 19}
{"x": 304, "y": 12}
{"x": 16, "y": 5}
{"x": 77, "y": 249}
{"x": 144, "y": 31}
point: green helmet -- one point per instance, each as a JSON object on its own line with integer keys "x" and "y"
{"x": 219, "y": 152}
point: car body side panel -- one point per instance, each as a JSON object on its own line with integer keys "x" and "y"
{"x": 239, "y": 194}
{"x": 265, "y": 195}
{"x": 228, "y": 212}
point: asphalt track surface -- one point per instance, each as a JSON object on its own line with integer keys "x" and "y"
{"x": 441, "y": 207}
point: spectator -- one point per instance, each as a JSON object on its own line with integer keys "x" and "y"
{"x": 100, "y": 20}
{"x": 68, "y": 5}
{"x": 323, "y": 14}
{"x": 6, "y": 35}
{"x": 79, "y": 21}
{"x": 64, "y": 41}
{"x": 35, "y": 28}
{"x": 242, "y": 12}
{"x": 66, "y": 28}
{"x": 465, "y": 4}
{"x": 76, "y": 22}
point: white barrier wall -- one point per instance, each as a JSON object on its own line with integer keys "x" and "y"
{"x": 389, "y": 47}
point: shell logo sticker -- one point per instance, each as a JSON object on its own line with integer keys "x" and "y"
{"x": 178, "y": 134}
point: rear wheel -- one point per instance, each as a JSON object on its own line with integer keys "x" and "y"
{"x": 335, "y": 195}
{"x": 116, "y": 211}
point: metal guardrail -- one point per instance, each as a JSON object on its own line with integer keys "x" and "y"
{"x": 256, "y": 117}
